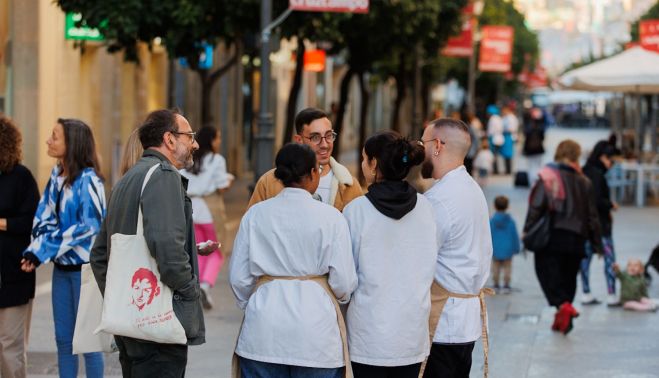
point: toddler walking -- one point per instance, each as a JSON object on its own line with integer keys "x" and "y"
{"x": 633, "y": 288}
{"x": 483, "y": 163}
{"x": 505, "y": 242}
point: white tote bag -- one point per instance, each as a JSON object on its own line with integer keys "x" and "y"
{"x": 90, "y": 308}
{"x": 137, "y": 304}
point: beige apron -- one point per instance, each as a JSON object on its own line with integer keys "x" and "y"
{"x": 322, "y": 281}
{"x": 438, "y": 297}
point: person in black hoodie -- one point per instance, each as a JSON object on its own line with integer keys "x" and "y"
{"x": 395, "y": 249}
{"x": 19, "y": 197}
{"x": 595, "y": 169}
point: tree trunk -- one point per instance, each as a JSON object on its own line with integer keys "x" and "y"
{"x": 208, "y": 80}
{"x": 400, "y": 94}
{"x": 295, "y": 91}
{"x": 425, "y": 108}
{"x": 343, "y": 100}
{"x": 363, "y": 113}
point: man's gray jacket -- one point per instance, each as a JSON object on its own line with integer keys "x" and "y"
{"x": 168, "y": 230}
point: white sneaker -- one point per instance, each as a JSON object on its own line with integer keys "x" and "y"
{"x": 206, "y": 299}
{"x": 588, "y": 299}
{"x": 612, "y": 300}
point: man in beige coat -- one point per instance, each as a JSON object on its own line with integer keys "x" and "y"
{"x": 337, "y": 186}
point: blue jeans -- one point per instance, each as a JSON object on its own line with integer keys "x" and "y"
{"x": 258, "y": 369}
{"x": 66, "y": 295}
{"x": 609, "y": 259}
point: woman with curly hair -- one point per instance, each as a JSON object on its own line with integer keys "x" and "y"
{"x": 19, "y": 196}
{"x": 66, "y": 223}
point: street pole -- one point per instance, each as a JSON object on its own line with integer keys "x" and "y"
{"x": 264, "y": 138}
{"x": 471, "y": 85}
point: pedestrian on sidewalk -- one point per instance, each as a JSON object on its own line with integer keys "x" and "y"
{"x": 505, "y": 243}
{"x": 483, "y": 163}
{"x": 534, "y": 137}
{"x": 207, "y": 180}
{"x": 337, "y": 186}
{"x": 292, "y": 261}
{"x": 510, "y": 130}
{"x": 65, "y": 225}
{"x": 168, "y": 141}
{"x": 495, "y": 130}
{"x": 600, "y": 161}
{"x": 394, "y": 245}
{"x": 458, "y": 314}
{"x": 633, "y": 287}
{"x": 19, "y": 196}
{"x": 566, "y": 196}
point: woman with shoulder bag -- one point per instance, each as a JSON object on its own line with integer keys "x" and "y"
{"x": 564, "y": 196}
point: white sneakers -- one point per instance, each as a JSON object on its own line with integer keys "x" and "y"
{"x": 612, "y": 300}
{"x": 588, "y": 299}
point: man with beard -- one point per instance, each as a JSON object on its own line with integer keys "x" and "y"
{"x": 168, "y": 142}
{"x": 458, "y": 316}
{"x": 337, "y": 186}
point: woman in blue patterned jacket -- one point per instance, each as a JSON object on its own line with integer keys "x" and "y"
{"x": 68, "y": 218}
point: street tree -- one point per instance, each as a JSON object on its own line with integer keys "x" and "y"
{"x": 182, "y": 26}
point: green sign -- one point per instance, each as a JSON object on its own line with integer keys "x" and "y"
{"x": 71, "y": 31}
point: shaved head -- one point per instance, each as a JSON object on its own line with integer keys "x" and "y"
{"x": 456, "y": 135}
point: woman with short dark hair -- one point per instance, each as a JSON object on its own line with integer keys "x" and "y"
{"x": 290, "y": 265}
{"x": 566, "y": 197}
{"x": 394, "y": 244}
{"x": 19, "y": 196}
{"x": 67, "y": 220}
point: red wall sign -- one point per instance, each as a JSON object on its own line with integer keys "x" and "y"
{"x": 496, "y": 50}
{"x": 461, "y": 46}
{"x": 344, "y": 6}
{"x": 649, "y": 34}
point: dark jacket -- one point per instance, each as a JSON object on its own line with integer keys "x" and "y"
{"x": 574, "y": 220}
{"x": 19, "y": 196}
{"x": 168, "y": 230}
{"x": 595, "y": 171}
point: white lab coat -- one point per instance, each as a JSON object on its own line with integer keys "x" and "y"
{"x": 388, "y": 315}
{"x": 465, "y": 253}
{"x": 292, "y": 322}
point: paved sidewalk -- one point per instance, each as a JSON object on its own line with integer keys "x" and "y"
{"x": 606, "y": 342}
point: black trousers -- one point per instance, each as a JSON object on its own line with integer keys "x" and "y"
{"x": 557, "y": 274}
{"x": 449, "y": 361}
{"x": 144, "y": 359}
{"x": 370, "y": 371}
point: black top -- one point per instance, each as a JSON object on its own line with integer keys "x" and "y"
{"x": 19, "y": 197}
{"x": 595, "y": 171}
{"x": 392, "y": 198}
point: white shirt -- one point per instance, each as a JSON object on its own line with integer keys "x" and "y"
{"x": 325, "y": 186}
{"x": 388, "y": 315}
{"x": 465, "y": 253}
{"x": 291, "y": 322}
{"x": 511, "y": 125}
{"x": 213, "y": 176}
{"x": 495, "y": 130}
{"x": 484, "y": 160}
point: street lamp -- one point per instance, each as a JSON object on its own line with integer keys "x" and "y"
{"x": 471, "y": 85}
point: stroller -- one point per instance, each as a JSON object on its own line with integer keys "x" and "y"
{"x": 652, "y": 262}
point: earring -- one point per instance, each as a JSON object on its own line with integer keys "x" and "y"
{"x": 436, "y": 153}
{"x": 373, "y": 172}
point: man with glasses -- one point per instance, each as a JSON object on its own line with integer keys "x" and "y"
{"x": 337, "y": 186}
{"x": 168, "y": 142}
{"x": 464, "y": 251}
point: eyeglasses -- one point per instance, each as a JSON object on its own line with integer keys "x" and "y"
{"x": 422, "y": 142}
{"x": 191, "y": 134}
{"x": 316, "y": 138}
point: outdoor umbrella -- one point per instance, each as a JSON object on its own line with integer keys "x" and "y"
{"x": 635, "y": 70}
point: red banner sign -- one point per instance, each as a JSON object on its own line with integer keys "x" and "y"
{"x": 462, "y": 46}
{"x": 496, "y": 50}
{"x": 344, "y": 6}
{"x": 649, "y": 34}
